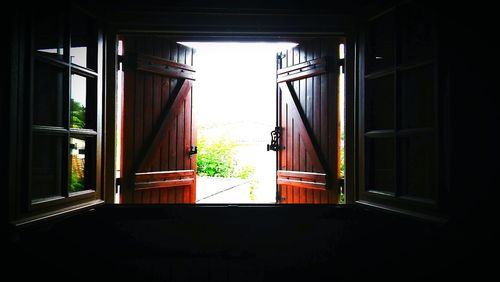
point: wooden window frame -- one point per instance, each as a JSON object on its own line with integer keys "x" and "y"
{"x": 31, "y": 210}
{"x": 428, "y": 209}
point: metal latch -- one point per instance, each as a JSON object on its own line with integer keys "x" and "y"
{"x": 193, "y": 151}
{"x": 275, "y": 135}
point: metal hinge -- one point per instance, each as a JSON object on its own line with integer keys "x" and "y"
{"x": 341, "y": 63}
{"x": 280, "y": 56}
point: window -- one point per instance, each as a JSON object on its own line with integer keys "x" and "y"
{"x": 399, "y": 110}
{"x": 65, "y": 101}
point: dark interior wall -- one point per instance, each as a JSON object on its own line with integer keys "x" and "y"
{"x": 468, "y": 49}
{"x": 288, "y": 243}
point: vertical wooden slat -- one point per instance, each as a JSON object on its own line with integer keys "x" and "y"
{"x": 146, "y": 196}
{"x": 148, "y": 105}
{"x": 157, "y": 105}
{"x": 302, "y": 164}
{"x": 139, "y": 106}
{"x": 295, "y": 158}
{"x": 172, "y": 159}
{"x": 173, "y": 129}
{"x": 137, "y": 195}
{"x": 165, "y": 91}
{"x": 163, "y": 196}
{"x": 187, "y": 140}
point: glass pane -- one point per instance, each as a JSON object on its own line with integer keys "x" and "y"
{"x": 379, "y": 107}
{"x": 417, "y": 97}
{"x": 49, "y": 33}
{"x": 83, "y": 102}
{"x": 48, "y": 157}
{"x": 82, "y": 166}
{"x": 380, "y": 164}
{"x": 417, "y": 32}
{"x": 419, "y": 177}
{"x": 380, "y": 43}
{"x": 48, "y": 95}
{"x": 83, "y": 40}
{"x": 78, "y": 101}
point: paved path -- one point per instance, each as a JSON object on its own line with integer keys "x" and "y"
{"x": 228, "y": 190}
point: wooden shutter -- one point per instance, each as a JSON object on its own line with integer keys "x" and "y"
{"x": 157, "y": 124}
{"x": 308, "y": 116}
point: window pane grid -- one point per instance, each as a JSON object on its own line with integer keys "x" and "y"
{"x": 64, "y": 107}
{"x": 400, "y": 105}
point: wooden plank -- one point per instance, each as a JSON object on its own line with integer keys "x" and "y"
{"x": 138, "y": 119}
{"x": 161, "y": 175}
{"x": 301, "y": 75}
{"x": 308, "y": 64}
{"x": 147, "y": 104}
{"x": 165, "y": 72}
{"x": 172, "y": 63}
{"x": 163, "y": 197}
{"x": 309, "y": 100}
{"x": 187, "y": 140}
{"x": 146, "y": 196}
{"x": 302, "y": 186}
{"x": 308, "y": 176}
{"x": 164, "y": 184}
{"x": 316, "y": 197}
{"x": 155, "y": 196}
{"x": 137, "y": 197}
{"x": 157, "y": 107}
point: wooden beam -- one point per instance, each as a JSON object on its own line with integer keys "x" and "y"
{"x": 302, "y": 74}
{"x": 153, "y": 60}
{"x": 163, "y": 175}
{"x": 160, "y": 70}
{"x": 301, "y": 184}
{"x": 304, "y": 126}
{"x": 303, "y": 70}
{"x": 163, "y": 184}
{"x": 311, "y": 63}
{"x": 180, "y": 92}
{"x": 158, "y": 65}
{"x": 302, "y": 175}
{"x": 164, "y": 179}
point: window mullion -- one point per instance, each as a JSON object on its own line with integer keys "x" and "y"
{"x": 397, "y": 108}
{"x": 67, "y": 105}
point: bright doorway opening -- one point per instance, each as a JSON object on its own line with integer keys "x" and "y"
{"x": 234, "y": 106}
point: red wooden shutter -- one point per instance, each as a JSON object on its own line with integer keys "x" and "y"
{"x": 157, "y": 124}
{"x": 308, "y": 115}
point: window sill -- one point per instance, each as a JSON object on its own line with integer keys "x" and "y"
{"x": 428, "y": 217}
{"x": 56, "y": 213}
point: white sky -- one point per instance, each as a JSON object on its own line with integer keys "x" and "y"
{"x": 235, "y": 82}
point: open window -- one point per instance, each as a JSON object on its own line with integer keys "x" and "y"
{"x": 158, "y": 135}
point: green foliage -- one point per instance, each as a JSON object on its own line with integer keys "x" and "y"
{"x": 76, "y": 183}
{"x": 77, "y": 115}
{"x": 342, "y": 163}
{"x": 246, "y": 171}
{"x": 215, "y": 158}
